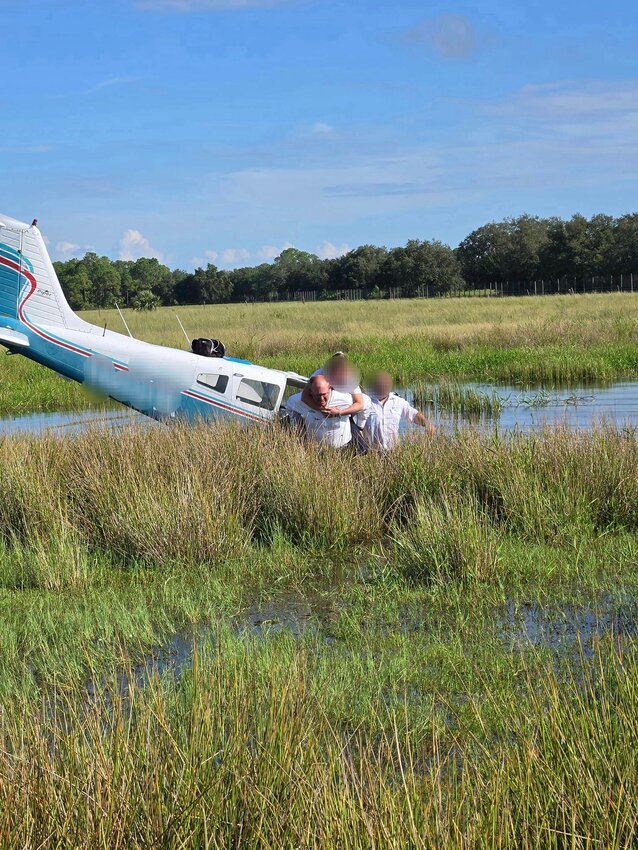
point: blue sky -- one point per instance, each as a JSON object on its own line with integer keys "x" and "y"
{"x": 225, "y": 130}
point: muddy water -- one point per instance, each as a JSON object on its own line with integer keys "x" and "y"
{"x": 566, "y": 631}
{"x": 572, "y": 628}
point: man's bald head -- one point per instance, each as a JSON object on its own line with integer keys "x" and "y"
{"x": 319, "y": 389}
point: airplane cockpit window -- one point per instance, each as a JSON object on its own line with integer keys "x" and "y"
{"x": 258, "y": 393}
{"x": 215, "y": 381}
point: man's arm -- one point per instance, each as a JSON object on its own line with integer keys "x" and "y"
{"x": 356, "y": 407}
{"x": 424, "y": 422}
{"x": 413, "y": 415}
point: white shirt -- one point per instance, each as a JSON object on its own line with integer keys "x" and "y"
{"x": 328, "y": 430}
{"x": 382, "y": 425}
{"x": 351, "y": 387}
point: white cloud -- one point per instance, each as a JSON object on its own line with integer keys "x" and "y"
{"x": 563, "y": 136}
{"x": 234, "y": 256}
{"x": 269, "y": 252}
{"x": 67, "y": 249}
{"x": 134, "y": 245}
{"x": 97, "y": 87}
{"x": 113, "y": 81}
{"x": 565, "y": 101}
{"x": 327, "y": 251}
{"x": 209, "y": 257}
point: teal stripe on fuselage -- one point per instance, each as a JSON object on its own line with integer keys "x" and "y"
{"x": 9, "y": 286}
{"x": 10, "y": 282}
{"x": 11, "y": 254}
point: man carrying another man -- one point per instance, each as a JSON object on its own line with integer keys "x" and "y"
{"x": 317, "y": 410}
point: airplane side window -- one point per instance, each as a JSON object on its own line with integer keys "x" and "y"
{"x": 258, "y": 393}
{"x": 215, "y": 381}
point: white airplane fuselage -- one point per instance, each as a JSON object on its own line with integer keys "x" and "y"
{"x": 161, "y": 382}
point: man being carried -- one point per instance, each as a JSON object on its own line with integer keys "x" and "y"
{"x": 310, "y": 410}
{"x": 343, "y": 379}
{"x": 386, "y": 411}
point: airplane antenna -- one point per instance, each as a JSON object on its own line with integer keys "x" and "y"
{"x": 183, "y": 331}
{"x": 123, "y": 320}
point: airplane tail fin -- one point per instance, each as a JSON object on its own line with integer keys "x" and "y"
{"x": 29, "y": 287}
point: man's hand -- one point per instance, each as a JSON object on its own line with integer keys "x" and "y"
{"x": 334, "y": 411}
{"x": 421, "y": 420}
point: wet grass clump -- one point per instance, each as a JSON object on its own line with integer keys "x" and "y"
{"x": 456, "y": 399}
{"x": 406, "y": 710}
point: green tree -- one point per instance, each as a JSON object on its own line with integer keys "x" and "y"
{"x": 625, "y": 244}
{"x": 419, "y": 265}
{"x": 205, "y": 286}
{"x": 105, "y": 279}
{"x": 298, "y": 270}
{"x": 149, "y": 273}
{"x": 358, "y": 269}
{"x": 145, "y": 300}
{"x": 483, "y": 254}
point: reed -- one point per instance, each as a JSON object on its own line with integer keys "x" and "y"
{"x": 400, "y": 714}
{"x": 454, "y": 398}
{"x": 201, "y": 495}
{"x": 248, "y": 751}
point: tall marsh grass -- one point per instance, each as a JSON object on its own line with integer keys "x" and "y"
{"x": 382, "y": 730}
{"x": 202, "y": 495}
{"x": 246, "y": 751}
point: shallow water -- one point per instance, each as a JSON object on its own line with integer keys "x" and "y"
{"x": 526, "y": 410}
{"x": 71, "y": 422}
{"x": 532, "y": 409}
{"x": 567, "y": 631}
{"x": 570, "y": 628}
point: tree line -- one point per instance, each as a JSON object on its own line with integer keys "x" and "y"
{"x": 522, "y": 249}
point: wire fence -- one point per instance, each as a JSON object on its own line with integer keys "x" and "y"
{"x": 566, "y": 285}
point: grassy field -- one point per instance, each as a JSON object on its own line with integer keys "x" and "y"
{"x": 551, "y": 340}
{"x": 410, "y": 710}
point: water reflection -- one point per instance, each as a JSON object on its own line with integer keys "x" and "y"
{"x": 510, "y": 408}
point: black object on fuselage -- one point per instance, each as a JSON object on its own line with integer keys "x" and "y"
{"x": 208, "y": 347}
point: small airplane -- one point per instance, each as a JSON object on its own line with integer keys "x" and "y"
{"x": 163, "y": 383}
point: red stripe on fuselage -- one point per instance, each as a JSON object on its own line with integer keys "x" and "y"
{"x": 223, "y": 406}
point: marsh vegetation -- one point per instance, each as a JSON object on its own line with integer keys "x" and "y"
{"x": 404, "y": 713}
